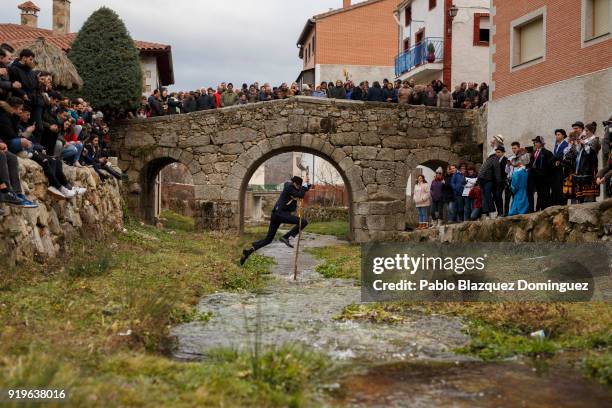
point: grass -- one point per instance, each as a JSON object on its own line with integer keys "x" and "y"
{"x": 339, "y": 261}
{"x": 96, "y": 322}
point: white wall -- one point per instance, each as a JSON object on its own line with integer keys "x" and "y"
{"x": 434, "y": 21}
{"x": 357, "y": 73}
{"x": 470, "y": 63}
{"x": 523, "y": 116}
{"x": 259, "y": 176}
{"x": 149, "y": 64}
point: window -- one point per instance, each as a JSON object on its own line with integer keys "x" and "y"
{"x": 148, "y": 74}
{"x": 432, "y": 4}
{"x": 482, "y": 27}
{"x": 406, "y": 44}
{"x": 408, "y": 15}
{"x": 148, "y": 88}
{"x": 596, "y": 19}
{"x": 528, "y": 39}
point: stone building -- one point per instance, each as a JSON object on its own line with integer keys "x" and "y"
{"x": 357, "y": 42}
{"x": 155, "y": 59}
{"x": 459, "y": 32}
{"x": 551, "y": 65}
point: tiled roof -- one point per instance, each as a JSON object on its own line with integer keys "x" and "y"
{"x": 17, "y": 35}
{"x": 29, "y": 6}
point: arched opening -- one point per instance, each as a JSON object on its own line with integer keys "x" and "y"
{"x": 167, "y": 185}
{"x": 427, "y": 169}
{"x": 265, "y": 177}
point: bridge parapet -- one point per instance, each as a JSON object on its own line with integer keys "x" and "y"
{"x": 374, "y": 146}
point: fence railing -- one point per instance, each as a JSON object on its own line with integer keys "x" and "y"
{"x": 419, "y": 55}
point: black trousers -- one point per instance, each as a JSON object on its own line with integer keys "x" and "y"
{"x": 557, "y": 197}
{"x": 53, "y": 170}
{"x": 542, "y": 185}
{"x": 507, "y": 199}
{"x": 9, "y": 171}
{"x": 498, "y": 197}
{"x": 278, "y": 218}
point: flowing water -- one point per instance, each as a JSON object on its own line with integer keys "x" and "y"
{"x": 402, "y": 365}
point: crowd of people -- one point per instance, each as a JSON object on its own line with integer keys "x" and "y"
{"x": 520, "y": 181}
{"x": 39, "y": 123}
{"x": 465, "y": 96}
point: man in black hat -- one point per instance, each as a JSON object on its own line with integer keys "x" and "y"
{"x": 540, "y": 170}
{"x": 578, "y": 127}
{"x": 557, "y": 169}
{"x": 282, "y": 213}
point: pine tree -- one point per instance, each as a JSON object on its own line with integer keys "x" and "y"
{"x": 107, "y": 60}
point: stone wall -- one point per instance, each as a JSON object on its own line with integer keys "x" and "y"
{"x": 575, "y": 223}
{"x": 41, "y": 233}
{"x": 374, "y": 146}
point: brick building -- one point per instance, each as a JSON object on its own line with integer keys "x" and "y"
{"x": 357, "y": 41}
{"x": 155, "y": 59}
{"x": 459, "y": 32}
{"x": 551, "y": 64}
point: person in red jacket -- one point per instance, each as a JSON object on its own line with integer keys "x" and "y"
{"x": 476, "y": 196}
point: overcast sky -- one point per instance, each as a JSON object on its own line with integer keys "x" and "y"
{"x": 212, "y": 41}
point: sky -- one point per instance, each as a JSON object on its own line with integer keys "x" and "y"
{"x": 212, "y": 40}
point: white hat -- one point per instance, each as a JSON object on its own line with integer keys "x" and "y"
{"x": 439, "y": 170}
{"x": 499, "y": 138}
{"x": 99, "y": 115}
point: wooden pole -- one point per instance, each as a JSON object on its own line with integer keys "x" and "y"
{"x": 297, "y": 246}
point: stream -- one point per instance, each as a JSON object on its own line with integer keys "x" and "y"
{"x": 410, "y": 364}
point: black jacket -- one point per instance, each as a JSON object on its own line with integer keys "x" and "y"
{"x": 491, "y": 170}
{"x": 29, "y": 82}
{"x": 357, "y": 94}
{"x": 287, "y": 202}
{"x": 375, "y": 94}
{"x": 543, "y": 165}
{"x": 156, "y": 107}
{"x": 206, "y": 102}
{"x": 8, "y": 123}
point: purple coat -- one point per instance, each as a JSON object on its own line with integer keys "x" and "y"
{"x": 436, "y": 190}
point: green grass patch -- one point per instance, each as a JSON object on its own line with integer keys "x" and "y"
{"x": 174, "y": 221}
{"x": 96, "y": 321}
{"x": 338, "y": 229}
{"x": 339, "y": 261}
{"x": 599, "y": 366}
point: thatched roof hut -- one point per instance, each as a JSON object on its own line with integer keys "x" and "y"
{"x": 52, "y": 59}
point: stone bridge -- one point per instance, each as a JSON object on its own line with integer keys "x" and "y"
{"x": 375, "y": 147}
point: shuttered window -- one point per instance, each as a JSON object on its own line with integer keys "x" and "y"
{"x": 528, "y": 41}
{"x": 597, "y": 18}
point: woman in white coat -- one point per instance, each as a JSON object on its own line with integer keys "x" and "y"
{"x": 422, "y": 199}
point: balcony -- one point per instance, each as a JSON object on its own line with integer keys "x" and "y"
{"x": 417, "y": 57}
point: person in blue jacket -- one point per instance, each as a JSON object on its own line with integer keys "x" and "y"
{"x": 520, "y": 202}
{"x": 457, "y": 183}
{"x": 282, "y": 213}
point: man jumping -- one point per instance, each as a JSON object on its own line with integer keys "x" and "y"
{"x": 283, "y": 214}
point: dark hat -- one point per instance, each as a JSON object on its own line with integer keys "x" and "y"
{"x": 297, "y": 180}
{"x": 578, "y": 124}
{"x": 538, "y": 139}
{"x": 501, "y": 148}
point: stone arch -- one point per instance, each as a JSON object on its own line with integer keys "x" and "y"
{"x": 431, "y": 158}
{"x": 257, "y": 155}
{"x": 152, "y": 164}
